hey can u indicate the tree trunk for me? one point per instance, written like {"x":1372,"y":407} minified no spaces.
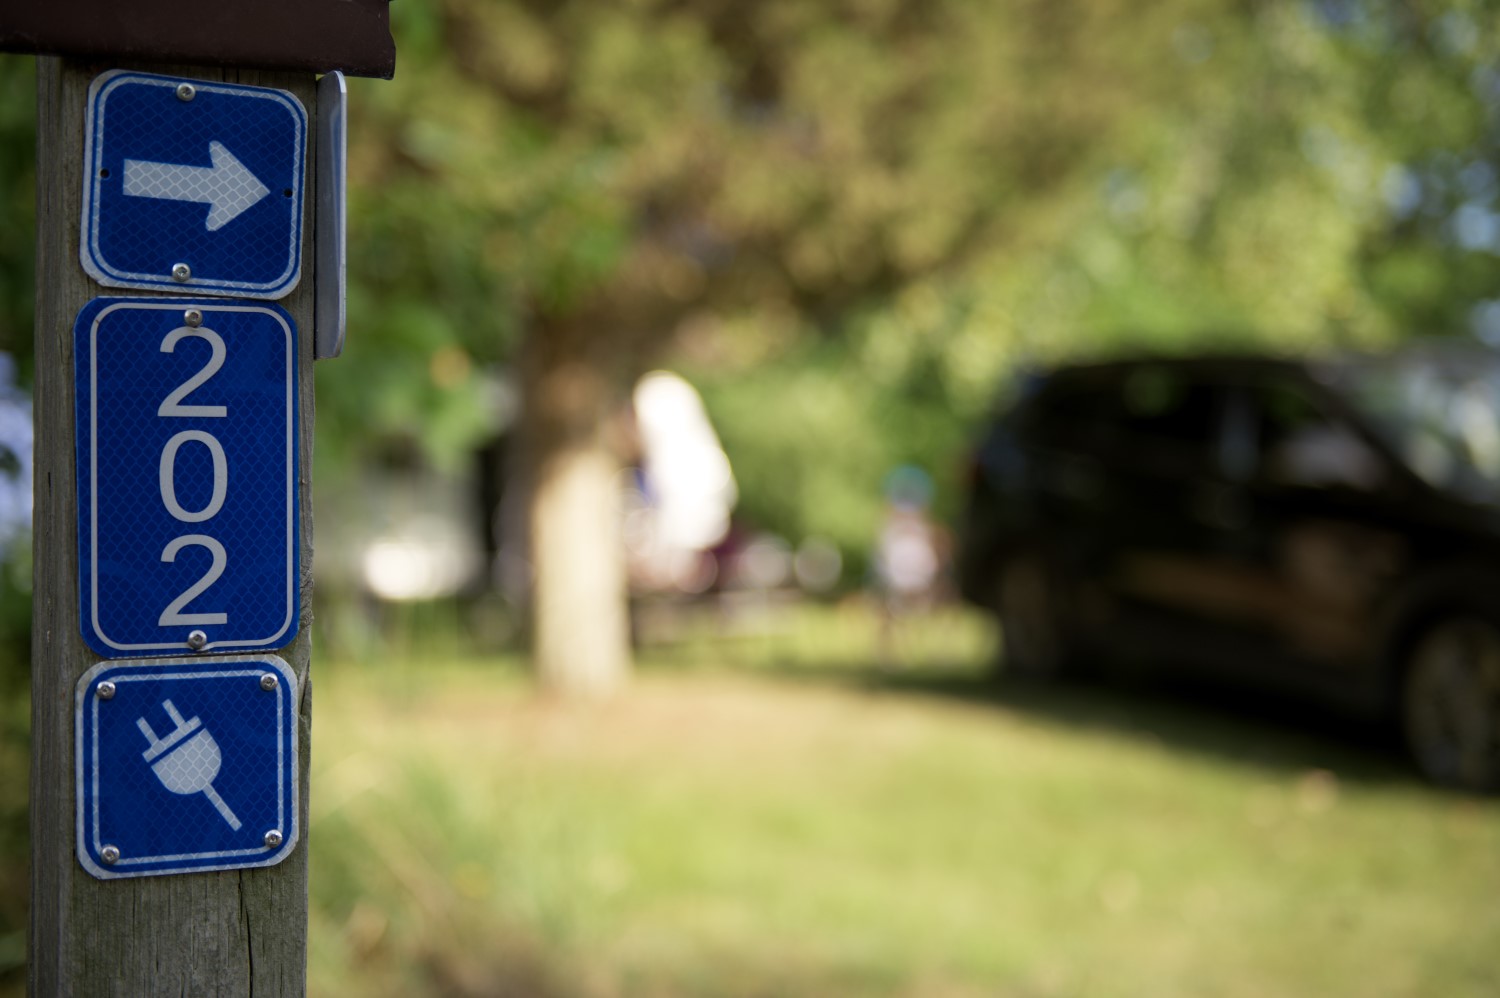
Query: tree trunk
{"x":580,"y":627}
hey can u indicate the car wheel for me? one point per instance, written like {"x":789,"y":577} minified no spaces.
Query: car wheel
{"x":1034,"y":640}
{"x":1450,"y":704}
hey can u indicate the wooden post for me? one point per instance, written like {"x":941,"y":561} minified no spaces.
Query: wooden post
{"x":239,"y":932}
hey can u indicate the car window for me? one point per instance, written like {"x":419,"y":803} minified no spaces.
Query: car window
{"x":1442,"y":415}
{"x":1076,"y":415}
{"x":1300,"y":443}
{"x":1152,"y":418}
{"x":1167,"y":408}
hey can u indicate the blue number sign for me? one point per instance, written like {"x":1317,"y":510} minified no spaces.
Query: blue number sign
{"x":186,"y":764}
{"x":193,"y":186}
{"x":187,"y":452}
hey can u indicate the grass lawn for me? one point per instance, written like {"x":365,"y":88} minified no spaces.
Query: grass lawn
{"x":776,"y":816}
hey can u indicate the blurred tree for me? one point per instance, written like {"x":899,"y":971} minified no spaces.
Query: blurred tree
{"x":634,"y":172}
{"x":934,"y":189}
{"x":1434,"y":261}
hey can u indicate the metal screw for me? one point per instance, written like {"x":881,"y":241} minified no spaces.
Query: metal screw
{"x":193,"y":317}
{"x":273,"y":838}
{"x":197,"y":640}
{"x":110,"y":855}
{"x":181,"y":272}
{"x":106,"y":690}
{"x":186,"y":91}
{"x":268,"y":682}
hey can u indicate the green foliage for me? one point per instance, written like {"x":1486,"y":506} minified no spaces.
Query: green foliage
{"x":15,"y":614}
{"x":1431,"y":93}
{"x":848,"y":222}
{"x":815,"y":433}
{"x":802,"y":439}
{"x":17,"y":208}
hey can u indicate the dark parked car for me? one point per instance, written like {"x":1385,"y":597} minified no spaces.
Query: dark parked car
{"x":1329,"y":529}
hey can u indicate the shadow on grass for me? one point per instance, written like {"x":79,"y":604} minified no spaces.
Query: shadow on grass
{"x":1248,"y":728}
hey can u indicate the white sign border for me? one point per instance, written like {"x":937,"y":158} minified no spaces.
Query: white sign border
{"x":178,"y":305}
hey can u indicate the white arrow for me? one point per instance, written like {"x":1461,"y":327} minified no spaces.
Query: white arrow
{"x":227,"y":186}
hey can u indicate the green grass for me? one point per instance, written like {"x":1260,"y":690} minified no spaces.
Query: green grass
{"x":771,"y":814}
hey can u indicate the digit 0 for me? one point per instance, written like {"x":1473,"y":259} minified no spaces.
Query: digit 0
{"x":168,"y":476}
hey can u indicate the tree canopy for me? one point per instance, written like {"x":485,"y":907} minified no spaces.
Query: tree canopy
{"x":847,"y":220}
{"x":864,"y":213}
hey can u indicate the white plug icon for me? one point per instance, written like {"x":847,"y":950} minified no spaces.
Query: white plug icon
{"x":187,"y":760}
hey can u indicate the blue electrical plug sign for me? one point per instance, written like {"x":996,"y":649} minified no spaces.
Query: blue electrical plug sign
{"x":186,"y":764}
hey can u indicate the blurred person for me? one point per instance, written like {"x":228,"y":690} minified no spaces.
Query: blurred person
{"x":679,"y":501}
{"x":908,"y":557}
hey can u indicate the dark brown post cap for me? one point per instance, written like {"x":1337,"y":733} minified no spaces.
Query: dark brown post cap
{"x":317,"y":35}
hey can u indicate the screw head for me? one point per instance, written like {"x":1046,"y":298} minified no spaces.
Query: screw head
{"x":268,"y":681}
{"x":105,"y":690}
{"x":197,"y":640}
{"x":186,"y":91}
{"x":273,"y":838}
{"x":193,"y":318}
{"x":181,"y":273}
{"x":110,"y":854}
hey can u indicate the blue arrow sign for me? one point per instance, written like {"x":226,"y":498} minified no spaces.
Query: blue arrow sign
{"x":186,"y":441}
{"x":191,"y":185}
{"x":186,"y":764}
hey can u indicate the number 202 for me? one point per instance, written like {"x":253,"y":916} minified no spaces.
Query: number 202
{"x":174,"y":406}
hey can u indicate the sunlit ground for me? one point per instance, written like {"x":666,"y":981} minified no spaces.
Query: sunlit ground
{"x":779,"y":813}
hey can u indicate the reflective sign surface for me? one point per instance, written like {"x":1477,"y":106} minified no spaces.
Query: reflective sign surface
{"x":186,"y":764}
{"x":187,"y":475}
{"x":193,"y":186}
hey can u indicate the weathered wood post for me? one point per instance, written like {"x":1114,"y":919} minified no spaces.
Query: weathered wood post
{"x":149,"y":874}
